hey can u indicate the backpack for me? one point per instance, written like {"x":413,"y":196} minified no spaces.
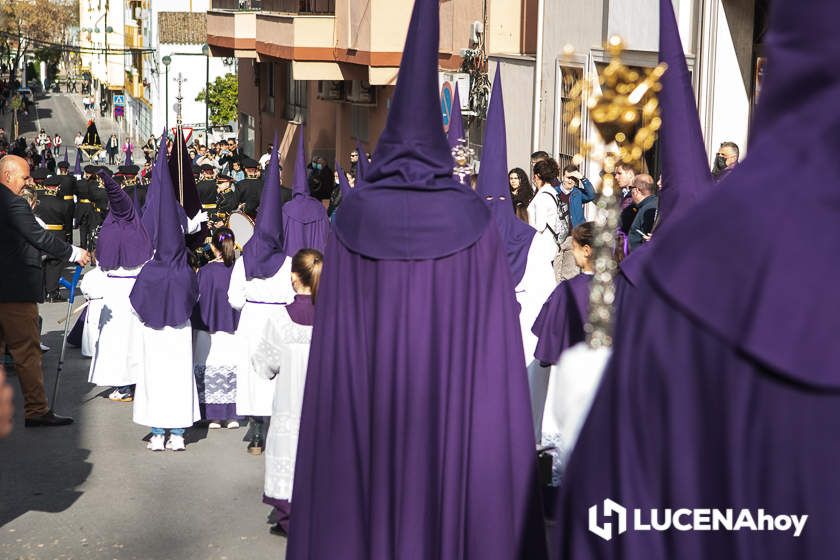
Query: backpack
{"x":558,"y":224}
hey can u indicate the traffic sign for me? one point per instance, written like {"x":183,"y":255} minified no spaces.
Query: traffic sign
{"x":188,"y":130}
{"x":446,"y":95}
{"x":119,"y":100}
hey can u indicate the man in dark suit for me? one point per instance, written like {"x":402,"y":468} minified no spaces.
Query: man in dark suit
{"x":21,"y":242}
{"x":250,"y":189}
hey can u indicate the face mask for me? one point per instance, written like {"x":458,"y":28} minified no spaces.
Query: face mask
{"x":720,"y":163}
{"x":318,"y":166}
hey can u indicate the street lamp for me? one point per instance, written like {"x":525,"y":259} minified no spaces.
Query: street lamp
{"x":205,"y":50}
{"x":167,"y":60}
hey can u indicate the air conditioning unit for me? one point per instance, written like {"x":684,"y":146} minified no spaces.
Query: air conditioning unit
{"x":360,"y":93}
{"x":331,"y":90}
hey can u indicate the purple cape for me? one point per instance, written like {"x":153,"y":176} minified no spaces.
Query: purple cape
{"x":123,"y":241}
{"x":305,"y":221}
{"x":455,"y":132}
{"x":301,"y":310}
{"x":562,"y":317}
{"x":493,"y":186}
{"x":418,"y":390}
{"x":213,"y":312}
{"x":263,"y":255}
{"x":166,"y":288}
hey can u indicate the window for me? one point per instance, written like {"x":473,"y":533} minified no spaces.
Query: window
{"x":247,"y":133}
{"x":295,"y":97}
{"x":566,"y":142}
{"x":359,"y":118}
{"x":270,"y":87}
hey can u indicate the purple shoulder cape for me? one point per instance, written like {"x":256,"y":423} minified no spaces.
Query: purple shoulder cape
{"x":213,"y":312}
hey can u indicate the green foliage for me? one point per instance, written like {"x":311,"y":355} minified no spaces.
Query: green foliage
{"x":224,"y":93}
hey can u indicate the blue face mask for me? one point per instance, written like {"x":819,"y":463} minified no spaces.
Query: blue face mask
{"x":318,"y":166}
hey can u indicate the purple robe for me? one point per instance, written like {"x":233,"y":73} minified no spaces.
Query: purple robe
{"x":305,"y":221}
{"x":213,"y":312}
{"x":560,"y":322}
{"x":416,"y":437}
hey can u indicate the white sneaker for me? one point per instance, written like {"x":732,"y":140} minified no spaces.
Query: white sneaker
{"x":44,"y":348}
{"x":117,"y":396}
{"x":232,"y":425}
{"x":156,"y":443}
{"x":176,"y":443}
{"x":214,"y":425}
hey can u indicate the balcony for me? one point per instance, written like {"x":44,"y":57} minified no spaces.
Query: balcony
{"x":231,"y":31}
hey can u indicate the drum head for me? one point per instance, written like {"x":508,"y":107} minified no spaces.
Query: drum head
{"x":242,"y":227}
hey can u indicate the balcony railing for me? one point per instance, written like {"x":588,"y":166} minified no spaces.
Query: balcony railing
{"x":285,"y":6}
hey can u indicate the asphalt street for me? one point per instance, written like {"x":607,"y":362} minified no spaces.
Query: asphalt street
{"x":93,"y":491}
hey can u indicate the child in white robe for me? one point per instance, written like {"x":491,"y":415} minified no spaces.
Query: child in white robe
{"x":283,"y":354}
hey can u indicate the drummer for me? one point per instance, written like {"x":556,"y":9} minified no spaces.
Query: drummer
{"x":226,"y":200}
{"x":206,"y":187}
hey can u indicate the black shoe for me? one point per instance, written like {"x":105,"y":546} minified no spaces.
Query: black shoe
{"x":55,"y":297}
{"x":48,"y":419}
{"x":257,"y":444}
{"x":276,"y":529}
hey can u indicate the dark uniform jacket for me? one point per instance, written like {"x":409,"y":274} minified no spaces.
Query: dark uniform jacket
{"x":84,"y":206}
{"x":99,"y":198}
{"x":249,"y":192}
{"x":21,"y":242}
{"x":66,"y":192}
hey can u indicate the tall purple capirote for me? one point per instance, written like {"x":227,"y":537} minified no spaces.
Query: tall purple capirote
{"x":149,"y":212}
{"x":166,"y":288}
{"x":263,"y":254}
{"x":77,"y":168}
{"x":343,"y":183}
{"x":410,"y":206}
{"x":685,"y":165}
{"x":305,"y":221}
{"x":362,"y":165}
{"x":123,"y":241}
{"x":65,"y":160}
{"x":493,"y":185}
{"x":456,"y":121}
{"x":191,"y":201}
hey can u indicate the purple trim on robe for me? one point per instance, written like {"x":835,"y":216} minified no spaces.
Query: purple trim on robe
{"x":282,"y":511}
{"x":213,"y":312}
{"x":560,"y":322}
{"x":220,"y":412}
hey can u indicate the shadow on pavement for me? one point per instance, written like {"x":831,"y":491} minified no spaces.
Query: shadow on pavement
{"x":41,"y":468}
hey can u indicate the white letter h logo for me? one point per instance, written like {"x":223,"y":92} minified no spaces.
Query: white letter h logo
{"x":610,"y":508}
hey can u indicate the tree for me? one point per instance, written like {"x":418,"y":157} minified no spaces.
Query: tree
{"x":224,"y":93}
{"x":25,"y":24}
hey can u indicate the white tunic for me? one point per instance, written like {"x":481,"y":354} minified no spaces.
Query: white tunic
{"x":259,"y":299}
{"x":283,"y":352}
{"x":118,"y":351}
{"x":166,"y":396}
{"x":536,"y":285}
{"x":93,"y":286}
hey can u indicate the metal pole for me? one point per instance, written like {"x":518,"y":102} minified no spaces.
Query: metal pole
{"x":207,"y":103}
{"x":537,"y":100}
{"x":166,"y":107}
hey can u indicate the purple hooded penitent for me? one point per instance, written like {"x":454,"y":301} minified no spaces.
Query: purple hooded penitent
{"x":416,"y":383}
{"x":190,"y":199}
{"x":166,"y":289}
{"x":263,"y":254}
{"x":456,"y":121}
{"x":77,"y":167}
{"x":362,"y":165}
{"x":128,"y":160}
{"x":343,"y":183}
{"x":150,"y":211}
{"x":123,"y":241}
{"x":493,"y":185}
{"x":685,"y":168}
{"x":305,"y":221}
{"x":65,"y":160}
{"x":723,"y":387}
